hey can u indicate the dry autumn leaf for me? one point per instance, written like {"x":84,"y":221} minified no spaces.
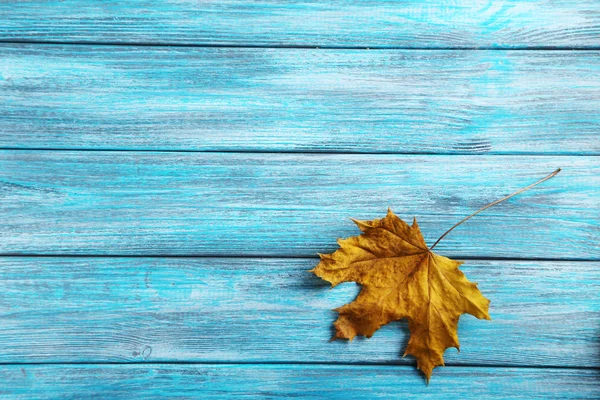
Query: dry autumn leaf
{"x":402,"y":278}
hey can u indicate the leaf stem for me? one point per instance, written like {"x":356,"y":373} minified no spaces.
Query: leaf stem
{"x":494,"y":203}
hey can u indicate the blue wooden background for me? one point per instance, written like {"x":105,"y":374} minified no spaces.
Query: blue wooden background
{"x":169,"y":170}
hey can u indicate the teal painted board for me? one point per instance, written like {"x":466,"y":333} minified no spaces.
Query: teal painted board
{"x":388,"y":23}
{"x":298,"y":100}
{"x":65,"y":310}
{"x":165,"y":203}
{"x":297,"y":381}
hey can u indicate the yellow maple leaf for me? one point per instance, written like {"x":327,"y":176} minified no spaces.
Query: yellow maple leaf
{"x":402,"y":278}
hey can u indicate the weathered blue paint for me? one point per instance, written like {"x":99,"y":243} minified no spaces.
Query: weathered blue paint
{"x":170,"y":203}
{"x":273,"y":310}
{"x":266,"y":322}
{"x":304,"y":381}
{"x":445,"y":102}
{"x":366,"y":23}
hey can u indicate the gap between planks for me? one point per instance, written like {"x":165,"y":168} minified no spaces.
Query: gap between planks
{"x":295,"y":47}
{"x":360,"y":364}
{"x":272,"y":256}
{"x":301,"y":152}
{"x":300,"y":363}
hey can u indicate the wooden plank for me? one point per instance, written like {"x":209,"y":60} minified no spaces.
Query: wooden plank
{"x":273,"y":310}
{"x":303,"y":381}
{"x":207,"y":99}
{"x":396,"y":23}
{"x":66,"y":202}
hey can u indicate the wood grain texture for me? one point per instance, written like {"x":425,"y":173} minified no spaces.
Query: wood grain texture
{"x":209,"y":99}
{"x":396,"y":23}
{"x":282,"y":381}
{"x":67,"y":202}
{"x":273,"y":310}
